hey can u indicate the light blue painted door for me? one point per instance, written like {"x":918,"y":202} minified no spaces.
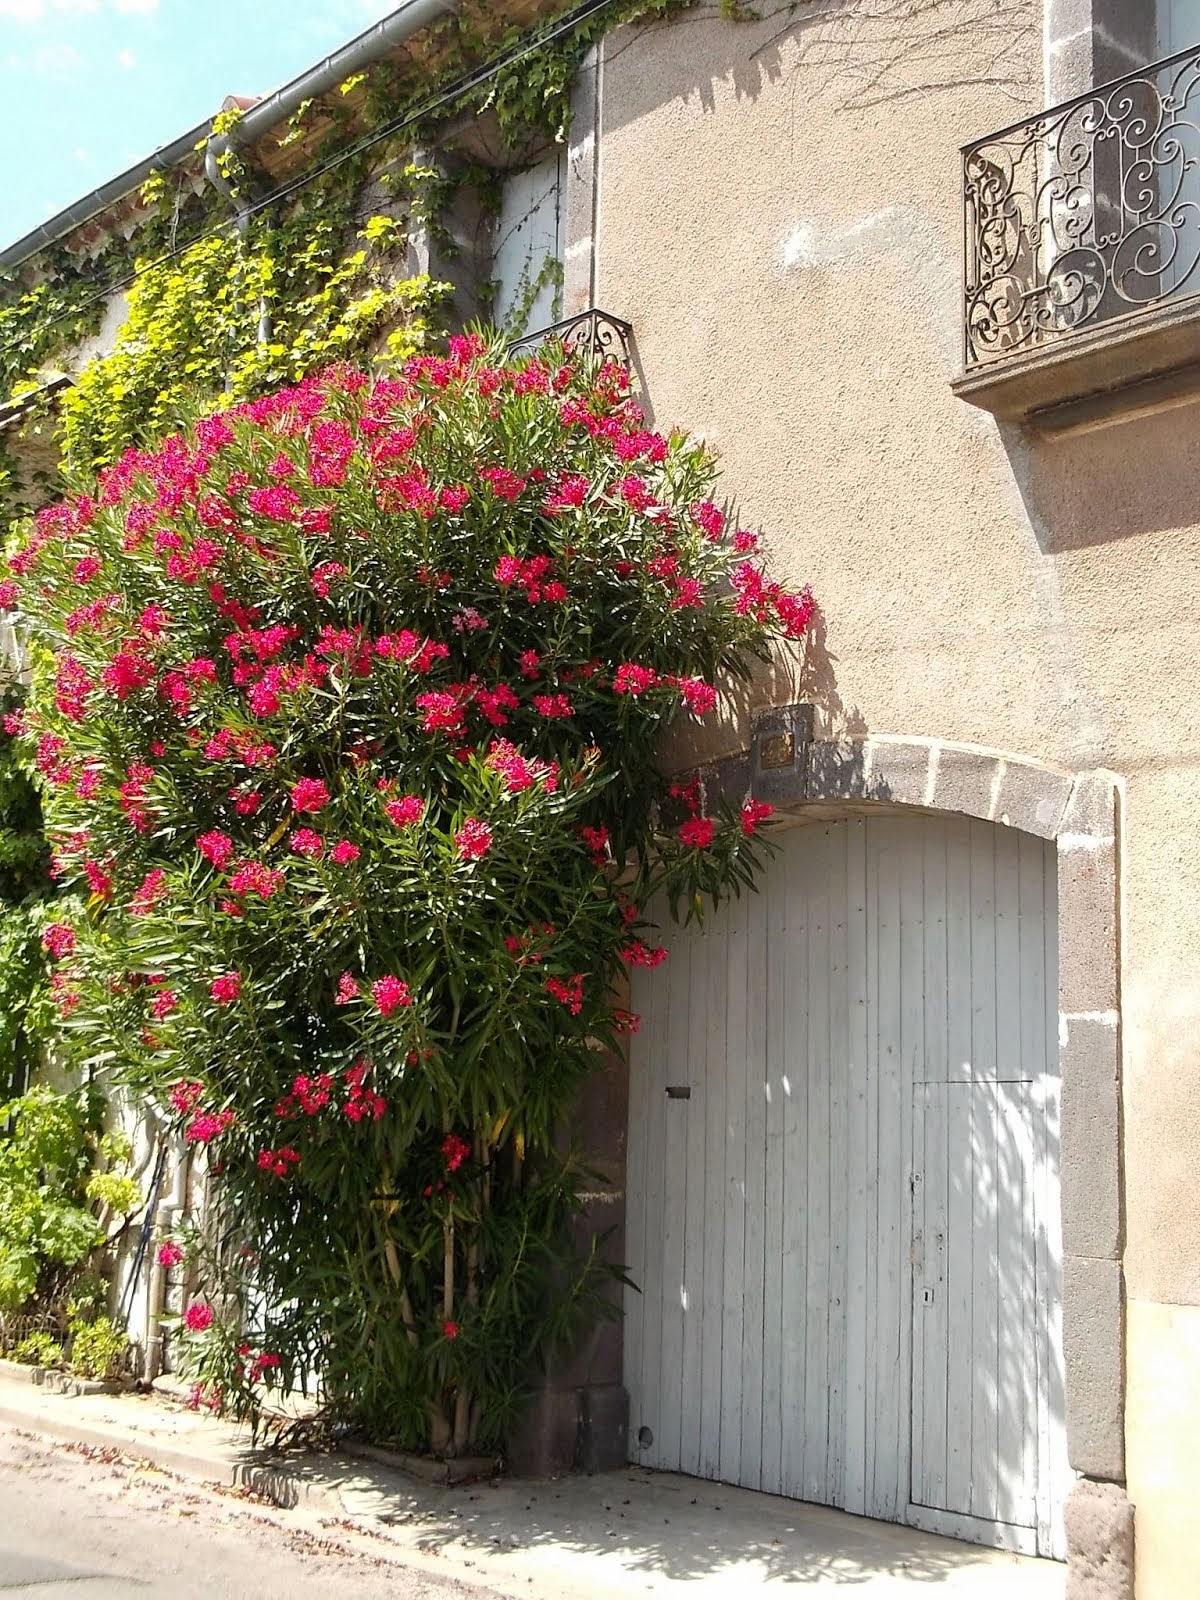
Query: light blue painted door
{"x":842,"y":1184}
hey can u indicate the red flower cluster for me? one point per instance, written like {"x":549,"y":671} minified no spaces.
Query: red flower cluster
{"x":206,"y":1126}
{"x":455,"y":1151}
{"x":408,"y":809}
{"x":520,"y":772}
{"x":473,"y":840}
{"x":569,"y":993}
{"x":59,"y":940}
{"x":637,"y":954}
{"x":226,"y":989}
{"x":390,"y":994}
{"x":279,"y":1162}
{"x":697,"y":833}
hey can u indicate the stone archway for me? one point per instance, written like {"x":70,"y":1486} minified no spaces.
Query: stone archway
{"x":1081,"y":813}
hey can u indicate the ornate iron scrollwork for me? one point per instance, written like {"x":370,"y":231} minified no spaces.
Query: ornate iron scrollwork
{"x":1084,"y":214}
{"x":592,"y":333}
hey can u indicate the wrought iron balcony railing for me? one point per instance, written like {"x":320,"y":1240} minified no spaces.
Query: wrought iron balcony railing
{"x":594,"y":333}
{"x":1085,"y":214}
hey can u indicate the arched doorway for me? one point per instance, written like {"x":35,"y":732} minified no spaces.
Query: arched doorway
{"x":843,"y":1183}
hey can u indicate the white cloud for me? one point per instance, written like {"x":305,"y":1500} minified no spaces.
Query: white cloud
{"x":35,"y":10}
{"x":58,"y":62}
{"x":126,"y":59}
{"x":130,"y":6}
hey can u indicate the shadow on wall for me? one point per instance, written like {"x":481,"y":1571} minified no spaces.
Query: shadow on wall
{"x":856,"y":53}
{"x":1136,"y":475}
{"x":789,"y":678}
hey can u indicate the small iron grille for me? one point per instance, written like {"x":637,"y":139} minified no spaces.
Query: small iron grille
{"x":592,"y":333}
{"x":1085,"y":214}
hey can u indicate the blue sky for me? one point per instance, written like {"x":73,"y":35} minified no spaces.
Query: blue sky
{"x":88,"y":87}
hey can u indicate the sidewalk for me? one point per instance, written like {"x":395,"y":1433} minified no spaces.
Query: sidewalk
{"x":616,"y":1536}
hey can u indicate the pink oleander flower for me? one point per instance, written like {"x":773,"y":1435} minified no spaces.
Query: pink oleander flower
{"x":347,"y":990}
{"x":59,"y":940}
{"x":305,"y":842}
{"x":455,"y":1151}
{"x":709,"y":519}
{"x":208,"y":1125}
{"x":170,"y":1254}
{"x":450,"y":1329}
{"x":473,"y":840}
{"x":700,"y":697}
{"x":252,"y":877}
{"x":633,"y":679}
{"x":754,"y":812}
{"x":637,"y":954}
{"x":697,"y":833}
{"x":280,"y":1162}
{"x":408,"y":809}
{"x":344,"y":852}
{"x":225,"y":989}
{"x":216,"y":847}
{"x":310,"y":794}
{"x":185,"y":1097}
{"x":569,"y":993}
{"x":198,"y":1317}
{"x":390,"y":994}
{"x":552,"y":706}
{"x":163,"y":1004}
{"x":151,"y":890}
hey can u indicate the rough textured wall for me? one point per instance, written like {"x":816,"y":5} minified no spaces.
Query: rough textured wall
{"x":779,"y":217}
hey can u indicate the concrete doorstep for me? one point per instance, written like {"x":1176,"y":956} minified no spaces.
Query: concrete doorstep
{"x":612,"y":1536}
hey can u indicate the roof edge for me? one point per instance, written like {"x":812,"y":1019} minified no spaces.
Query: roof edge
{"x":91,"y":205}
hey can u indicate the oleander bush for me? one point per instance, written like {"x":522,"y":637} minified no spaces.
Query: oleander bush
{"x":347,"y":705}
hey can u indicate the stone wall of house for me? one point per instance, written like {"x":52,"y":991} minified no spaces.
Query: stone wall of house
{"x":777,"y":211}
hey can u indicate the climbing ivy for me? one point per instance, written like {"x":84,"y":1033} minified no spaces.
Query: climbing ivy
{"x":329,"y":286}
{"x":24,"y":885}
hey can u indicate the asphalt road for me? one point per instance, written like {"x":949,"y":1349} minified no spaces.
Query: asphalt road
{"x":81,"y":1523}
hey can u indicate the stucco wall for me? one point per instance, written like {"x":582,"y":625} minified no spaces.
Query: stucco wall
{"x":779,"y":218}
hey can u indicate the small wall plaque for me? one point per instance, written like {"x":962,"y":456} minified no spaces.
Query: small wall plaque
{"x":679,"y":1091}
{"x":777,"y":750}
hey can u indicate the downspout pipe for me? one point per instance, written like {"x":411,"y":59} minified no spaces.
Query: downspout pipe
{"x":360,"y":52}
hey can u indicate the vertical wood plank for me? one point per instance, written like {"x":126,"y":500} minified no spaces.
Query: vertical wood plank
{"x":815,"y":1480}
{"x":983,"y":950}
{"x":958,"y":949}
{"x":959,"y":1276}
{"x":1009,"y":1063}
{"x":644,"y":1048}
{"x":757,"y":1088}
{"x":911,"y":1070}
{"x":740,"y":992}
{"x":858,"y":1196}
{"x":885,"y":1378}
{"x":801,"y":865}
{"x":984,"y":1301}
{"x":839,"y":1154}
{"x":667,"y":1437}
{"x":930,"y":1399}
{"x":776,"y":1112}
{"x":1017,"y":1295}
{"x":692,"y":1114}
{"x":718,"y":943}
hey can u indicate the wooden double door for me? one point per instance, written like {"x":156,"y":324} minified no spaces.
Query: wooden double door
{"x":843,"y":1211}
